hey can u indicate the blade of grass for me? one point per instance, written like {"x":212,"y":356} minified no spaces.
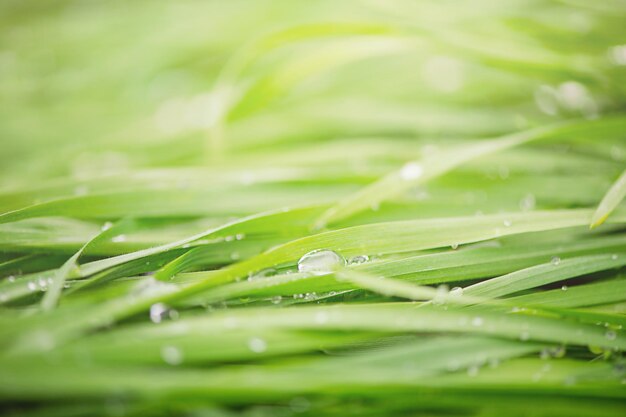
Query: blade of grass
{"x":613,"y":197}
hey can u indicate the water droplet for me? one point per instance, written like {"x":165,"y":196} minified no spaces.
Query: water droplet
{"x":574,"y":96}
{"x":359,"y":259}
{"x":454,"y":246}
{"x":264,"y":273}
{"x":507,"y":223}
{"x":610,"y":335}
{"x":42,"y":339}
{"x":119,"y":238}
{"x":441,"y":293}
{"x":555,"y":260}
{"x":32,"y":286}
{"x":43,"y":284}
{"x":614,"y":257}
{"x":527,"y":203}
{"x":172,"y":355}
{"x":240,"y":236}
{"x":257,"y":345}
{"x":564,"y":287}
{"x":570,"y":380}
{"x":320,"y":262}
{"x":477,"y":321}
{"x":617,"y":54}
{"x":277,"y":299}
{"x":552,"y":352}
{"x":160,"y":311}
{"x":229,"y":238}
{"x":596,"y":350}
{"x":456,"y":292}
{"x":310,"y":296}
{"x":299,"y":404}
{"x":106,"y":226}
{"x":11,"y":278}
{"x":235,"y":256}
{"x":472,"y":370}
{"x":411,"y":171}
{"x":618,"y":154}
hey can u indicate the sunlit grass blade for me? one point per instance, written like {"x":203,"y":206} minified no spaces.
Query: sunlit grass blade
{"x":432,"y":166}
{"x":613,"y":197}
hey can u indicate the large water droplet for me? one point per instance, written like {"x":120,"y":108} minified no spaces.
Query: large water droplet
{"x":320,"y":262}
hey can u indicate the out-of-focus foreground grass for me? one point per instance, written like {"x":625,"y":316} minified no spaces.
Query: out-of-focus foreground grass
{"x":274,"y":208}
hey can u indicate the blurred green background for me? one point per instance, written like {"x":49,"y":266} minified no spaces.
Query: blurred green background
{"x":99,"y":87}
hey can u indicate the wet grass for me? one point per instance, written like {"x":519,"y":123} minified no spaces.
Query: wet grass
{"x":330,"y":209}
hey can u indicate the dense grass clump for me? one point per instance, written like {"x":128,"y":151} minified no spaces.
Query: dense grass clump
{"x":270,"y":208}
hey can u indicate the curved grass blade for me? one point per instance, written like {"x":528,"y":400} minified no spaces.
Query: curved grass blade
{"x":613,"y":197}
{"x":419,"y":172}
{"x":555,"y":271}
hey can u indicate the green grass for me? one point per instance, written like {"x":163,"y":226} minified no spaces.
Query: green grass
{"x":164,"y":166}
